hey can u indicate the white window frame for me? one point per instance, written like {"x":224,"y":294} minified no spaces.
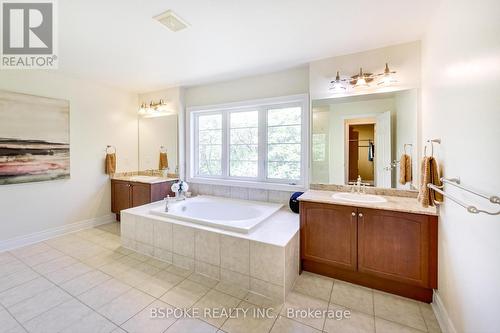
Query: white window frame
{"x":261,"y":105}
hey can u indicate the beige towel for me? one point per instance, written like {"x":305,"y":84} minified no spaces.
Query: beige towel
{"x":110,"y":164}
{"x":430,"y":174}
{"x":405,"y":174}
{"x":163,"y":161}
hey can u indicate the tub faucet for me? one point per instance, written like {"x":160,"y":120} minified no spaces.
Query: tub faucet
{"x":168,"y":200}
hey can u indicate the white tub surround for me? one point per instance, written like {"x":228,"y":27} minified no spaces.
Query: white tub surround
{"x":228,"y":214}
{"x":265,"y":260}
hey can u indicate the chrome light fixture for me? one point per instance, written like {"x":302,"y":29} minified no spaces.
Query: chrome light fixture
{"x":338,"y":85}
{"x":387,"y":77}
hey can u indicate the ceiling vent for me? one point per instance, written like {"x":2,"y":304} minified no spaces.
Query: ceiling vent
{"x":171,"y":20}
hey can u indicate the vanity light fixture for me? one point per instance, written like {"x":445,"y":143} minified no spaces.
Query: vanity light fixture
{"x":338,"y":85}
{"x":387,"y":77}
{"x":361,"y":80}
{"x":153,"y":108}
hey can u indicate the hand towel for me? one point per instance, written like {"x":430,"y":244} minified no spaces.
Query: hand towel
{"x":110,"y":164}
{"x":430,"y":174}
{"x":405,"y":173}
{"x":163,"y":161}
{"x":436,"y":180}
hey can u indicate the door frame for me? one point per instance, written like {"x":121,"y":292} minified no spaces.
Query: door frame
{"x":361,"y":119}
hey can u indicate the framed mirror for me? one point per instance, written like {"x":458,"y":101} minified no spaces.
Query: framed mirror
{"x":158,"y":143}
{"x":366,"y":136}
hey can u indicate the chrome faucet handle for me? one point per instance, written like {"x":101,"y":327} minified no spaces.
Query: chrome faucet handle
{"x":168,"y":200}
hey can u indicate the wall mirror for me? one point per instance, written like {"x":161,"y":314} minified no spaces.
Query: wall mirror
{"x":158,"y":135}
{"x":365,"y":136}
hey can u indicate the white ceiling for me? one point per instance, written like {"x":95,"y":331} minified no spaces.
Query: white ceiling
{"x":118,"y":43}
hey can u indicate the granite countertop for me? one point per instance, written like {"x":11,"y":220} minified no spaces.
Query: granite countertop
{"x":145,"y":179}
{"x":394,"y":203}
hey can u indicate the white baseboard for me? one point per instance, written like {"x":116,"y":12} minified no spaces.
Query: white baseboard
{"x":36,"y":237}
{"x":441,"y":314}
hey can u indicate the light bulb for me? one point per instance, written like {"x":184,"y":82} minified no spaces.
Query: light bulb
{"x":361,"y":80}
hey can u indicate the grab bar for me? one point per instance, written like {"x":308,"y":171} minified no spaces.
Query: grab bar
{"x":456,"y":182}
{"x":471,"y":209}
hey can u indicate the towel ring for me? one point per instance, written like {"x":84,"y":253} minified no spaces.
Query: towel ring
{"x":109,"y":149}
{"x":163,"y":149}
{"x":432,"y":146}
{"x":406,"y":145}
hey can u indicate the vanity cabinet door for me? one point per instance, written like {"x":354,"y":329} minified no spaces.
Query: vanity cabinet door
{"x":397,"y":246}
{"x":141,"y":194}
{"x":120,"y":196}
{"x":328,"y":234}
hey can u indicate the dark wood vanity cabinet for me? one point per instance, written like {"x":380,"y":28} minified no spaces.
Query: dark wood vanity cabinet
{"x":127,"y":194}
{"x":329,"y":235}
{"x":391,"y":251}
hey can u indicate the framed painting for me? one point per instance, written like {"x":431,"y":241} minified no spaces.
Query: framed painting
{"x":34,"y":138}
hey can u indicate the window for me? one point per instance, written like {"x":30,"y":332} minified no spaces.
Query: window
{"x":244,"y":144}
{"x":210,"y":145}
{"x":263,"y":142}
{"x":284,"y":143}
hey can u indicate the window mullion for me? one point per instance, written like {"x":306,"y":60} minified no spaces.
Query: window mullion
{"x":262,"y":144}
{"x":225,"y":145}
{"x":196,"y":146}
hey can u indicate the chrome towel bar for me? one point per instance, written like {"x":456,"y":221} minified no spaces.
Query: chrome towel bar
{"x":470,"y":208}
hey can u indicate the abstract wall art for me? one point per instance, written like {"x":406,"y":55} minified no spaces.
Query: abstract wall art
{"x":34,"y":138}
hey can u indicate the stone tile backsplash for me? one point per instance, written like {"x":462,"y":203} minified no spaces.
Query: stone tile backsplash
{"x":237,"y":192}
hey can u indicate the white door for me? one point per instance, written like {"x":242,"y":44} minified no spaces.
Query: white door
{"x":383,"y":170}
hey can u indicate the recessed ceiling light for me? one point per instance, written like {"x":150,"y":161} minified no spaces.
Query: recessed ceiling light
{"x":171,"y":20}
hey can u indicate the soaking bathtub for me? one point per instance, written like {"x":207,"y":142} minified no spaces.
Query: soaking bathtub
{"x":227,"y":214}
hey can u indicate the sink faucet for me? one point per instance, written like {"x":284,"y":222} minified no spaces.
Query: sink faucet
{"x":358,"y":185}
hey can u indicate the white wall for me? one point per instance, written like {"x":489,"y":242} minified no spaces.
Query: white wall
{"x":461,"y":105}
{"x":99,"y":116}
{"x":289,"y":82}
{"x":404,"y":58}
{"x":406,"y":104}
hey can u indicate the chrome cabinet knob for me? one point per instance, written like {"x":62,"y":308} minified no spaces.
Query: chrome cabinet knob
{"x":353,"y":214}
{"x":360,"y":214}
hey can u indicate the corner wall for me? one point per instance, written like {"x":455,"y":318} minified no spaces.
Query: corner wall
{"x":99,"y":115}
{"x":461,"y":105}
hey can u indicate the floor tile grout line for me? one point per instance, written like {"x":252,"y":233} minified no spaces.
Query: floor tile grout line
{"x":374,"y":318}
{"x":423,"y":317}
{"x":184,"y":278}
{"x":155,"y":300}
{"x":17,"y":285}
{"x":60,"y":288}
{"x":34,"y":295}
{"x":10,"y":313}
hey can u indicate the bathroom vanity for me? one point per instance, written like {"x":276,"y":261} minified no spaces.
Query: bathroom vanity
{"x":390,"y":246}
{"x":128,"y":192}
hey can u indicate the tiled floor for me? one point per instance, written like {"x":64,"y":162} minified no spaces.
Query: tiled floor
{"x":86,"y":282}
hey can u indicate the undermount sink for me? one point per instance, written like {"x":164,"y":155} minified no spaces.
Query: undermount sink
{"x":143,"y":178}
{"x":359,"y":197}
